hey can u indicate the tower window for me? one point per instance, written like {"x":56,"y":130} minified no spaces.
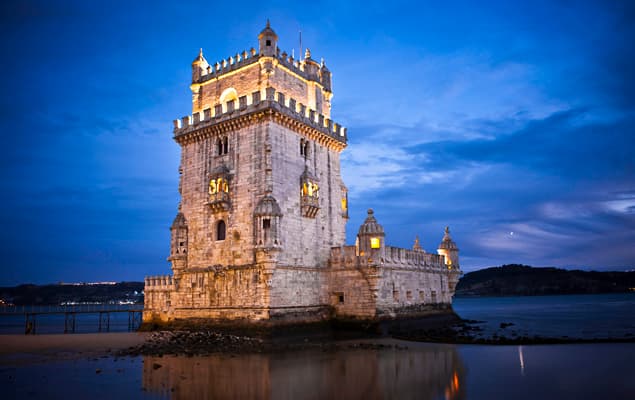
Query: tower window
{"x":374,"y":243}
{"x":304,"y":148}
{"x":220,"y":230}
{"x":268,"y":42}
{"x":266,"y":223}
{"x":222,"y":145}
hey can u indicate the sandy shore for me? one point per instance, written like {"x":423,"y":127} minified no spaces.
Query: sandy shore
{"x":18,"y":349}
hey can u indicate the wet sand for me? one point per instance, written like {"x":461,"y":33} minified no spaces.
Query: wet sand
{"x":20,"y":349}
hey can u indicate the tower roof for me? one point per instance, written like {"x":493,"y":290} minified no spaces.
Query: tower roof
{"x":370,"y":225}
{"x":268,"y":206}
{"x":179,"y":221}
{"x":447,"y":243}
{"x":200,"y":58}
{"x":267,"y":32}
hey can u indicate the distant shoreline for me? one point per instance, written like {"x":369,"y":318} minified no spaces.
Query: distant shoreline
{"x":474,"y":296}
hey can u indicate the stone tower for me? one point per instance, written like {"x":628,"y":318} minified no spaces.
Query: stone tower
{"x":262,"y":198}
{"x":259,"y":235}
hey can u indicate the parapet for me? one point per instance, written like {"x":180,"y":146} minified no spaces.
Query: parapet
{"x":259,"y":101}
{"x":159,"y":283}
{"x":307,"y":69}
{"x":395,"y":257}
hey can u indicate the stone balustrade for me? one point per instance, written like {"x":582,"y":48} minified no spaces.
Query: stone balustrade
{"x":346,"y":256}
{"x":159,"y":282}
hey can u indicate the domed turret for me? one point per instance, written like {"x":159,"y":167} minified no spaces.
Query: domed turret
{"x":268,"y":206}
{"x":267,"y":216}
{"x":448,"y":248}
{"x":325,"y":76}
{"x":268,"y":41}
{"x":179,"y":221}
{"x":370,"y":237}
{"x":178,"y":243}
{"x":199,"y":66}
{"x":370,"y":225}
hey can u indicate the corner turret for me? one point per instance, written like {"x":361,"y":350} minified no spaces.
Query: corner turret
{"x":268,"y":41}
{"x":448,"y":248}
{"x":200,"y":67}
{"x":370,"y":238}
{"x":325,"y":76}
{"x":178,"y":244}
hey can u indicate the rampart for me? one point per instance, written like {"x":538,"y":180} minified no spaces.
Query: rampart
{"x":245,"y":58}
{"x":247,"y":105}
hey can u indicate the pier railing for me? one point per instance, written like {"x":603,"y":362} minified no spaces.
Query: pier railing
{"x":70,"y":312}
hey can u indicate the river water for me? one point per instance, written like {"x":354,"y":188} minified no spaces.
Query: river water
{"x":422,"y":371}
{"x":409,"y":370}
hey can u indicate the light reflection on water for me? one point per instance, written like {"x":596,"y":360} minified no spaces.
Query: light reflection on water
{"x":423,"y":371}
{"x":428,"y":372}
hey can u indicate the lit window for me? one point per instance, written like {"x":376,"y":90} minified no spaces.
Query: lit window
{"x":374,"y":243}
{"x":218,"y":185}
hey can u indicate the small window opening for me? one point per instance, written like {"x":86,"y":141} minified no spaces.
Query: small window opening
{"x":340,"y":298}
{"x":408,"y":295}
{"x":222,"y":146}
{"x":220,"y":230}
{"x":266,"y":223}
{"x":268,"y":43}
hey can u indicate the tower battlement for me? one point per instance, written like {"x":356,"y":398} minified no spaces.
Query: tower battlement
{"x":268,"y":102}
{"x":303,"y":67}
{"x":305,"y":80}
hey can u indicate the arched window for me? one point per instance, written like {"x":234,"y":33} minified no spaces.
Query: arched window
{"x":228,"y":94}
{"x":220,"y":230}
{"x":222,"y":145}
{"x":304,"y":148}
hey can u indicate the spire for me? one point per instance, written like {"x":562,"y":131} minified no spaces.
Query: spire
{"x":417,"y":245}
{"x":199,"y":58}
{"x":307,"y":54}
{"x":268,"y":41}
{"x":447,"y":242}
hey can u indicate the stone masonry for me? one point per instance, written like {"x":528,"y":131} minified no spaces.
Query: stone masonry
{"x":259,"y":236}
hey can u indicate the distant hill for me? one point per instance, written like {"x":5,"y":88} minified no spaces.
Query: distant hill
{"x":130,"y":292}
{"x":523,"y":280}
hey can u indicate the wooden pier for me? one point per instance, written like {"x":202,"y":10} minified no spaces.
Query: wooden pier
{"x":70,"y":313}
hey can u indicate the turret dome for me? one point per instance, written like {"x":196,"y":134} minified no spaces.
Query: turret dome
{"x":370,"y":225}
{"x":179,"y":221}
{"x":268,"y":32}
{"x":268,"y":206}
{"x":447,"y":243}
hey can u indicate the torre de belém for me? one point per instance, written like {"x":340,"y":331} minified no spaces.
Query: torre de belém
{"x":259,"y":236}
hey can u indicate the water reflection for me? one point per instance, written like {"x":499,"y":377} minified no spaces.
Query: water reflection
{"x":434,"y":372}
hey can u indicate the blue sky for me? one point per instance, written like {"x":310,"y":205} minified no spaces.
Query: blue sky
{"x":513,"y":124}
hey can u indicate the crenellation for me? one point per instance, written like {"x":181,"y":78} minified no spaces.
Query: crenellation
{"x":261,"y":227}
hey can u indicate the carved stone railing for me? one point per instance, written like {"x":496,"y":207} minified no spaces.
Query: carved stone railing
{"x":310,"y":206}
{"x":219,"y":201}
{"x":346,"y":256}
{"x":157,"y":283}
